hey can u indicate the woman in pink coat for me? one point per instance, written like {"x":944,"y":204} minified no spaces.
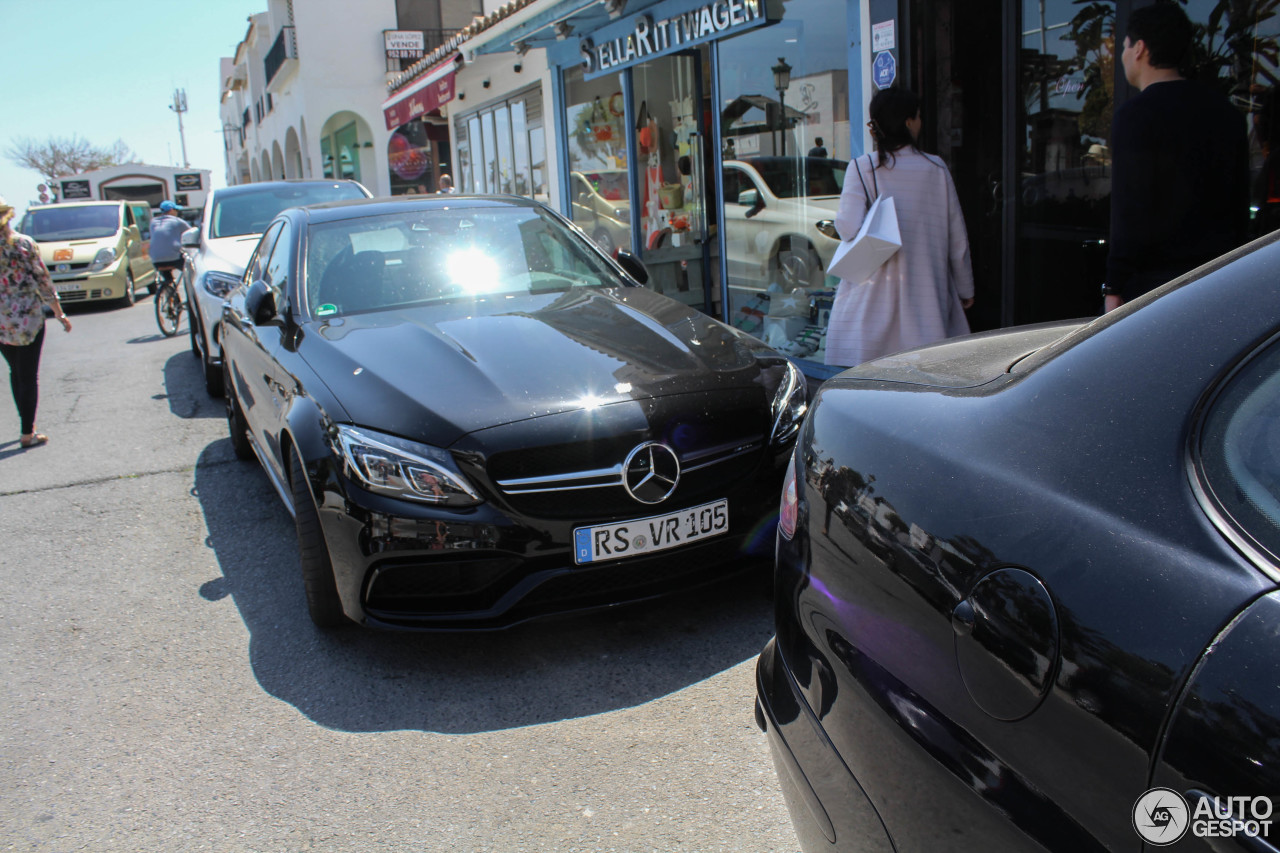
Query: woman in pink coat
{"x":919,"y":295}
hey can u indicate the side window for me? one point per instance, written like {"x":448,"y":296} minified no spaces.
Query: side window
{"x":256,"y":267}
{"x":1240,"y":449}
{"x":142,"y":218}
{"x":277,"y":269}
{"x":732,"y":185}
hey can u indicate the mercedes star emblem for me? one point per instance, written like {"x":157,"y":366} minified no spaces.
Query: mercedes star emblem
{"x":651,"y":472}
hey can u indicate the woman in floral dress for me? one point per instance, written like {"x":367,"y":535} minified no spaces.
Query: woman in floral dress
{"x":24,"y":291}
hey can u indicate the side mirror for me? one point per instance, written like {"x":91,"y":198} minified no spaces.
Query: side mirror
{"x":260,"y":303}
{"x":191,"y":238}
{"x":749,"y":198}
{"x":632,"y":265}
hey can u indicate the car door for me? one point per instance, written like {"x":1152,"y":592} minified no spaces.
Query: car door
{"x":249,"y":350}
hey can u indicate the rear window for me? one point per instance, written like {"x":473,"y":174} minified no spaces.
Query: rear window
{"x":1240,"y":450}
{"x":53,"y":223}
{"x":250,"y":212}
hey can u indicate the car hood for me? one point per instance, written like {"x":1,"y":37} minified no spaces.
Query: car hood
{"x":436,"y":373}
{"x":964,"y":362}
{"x":228,"y":254}
{"x":82,"y":251}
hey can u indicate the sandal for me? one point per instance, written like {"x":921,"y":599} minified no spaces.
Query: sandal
{"x":36,"y":440}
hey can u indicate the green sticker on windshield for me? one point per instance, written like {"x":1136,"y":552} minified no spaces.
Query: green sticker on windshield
{"x":326,"y":309}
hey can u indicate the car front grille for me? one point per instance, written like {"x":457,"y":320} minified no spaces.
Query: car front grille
{"x":583,"y":480}
{"x":79,"y":295}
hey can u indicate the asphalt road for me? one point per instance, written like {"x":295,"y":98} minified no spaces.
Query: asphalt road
{"x":164,"y":690}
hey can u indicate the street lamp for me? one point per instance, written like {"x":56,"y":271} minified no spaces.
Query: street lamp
{"x":781,"y":80}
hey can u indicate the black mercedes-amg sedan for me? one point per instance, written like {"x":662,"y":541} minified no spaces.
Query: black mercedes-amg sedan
{"x":478,"y":418}
{"x":1026,"y":586}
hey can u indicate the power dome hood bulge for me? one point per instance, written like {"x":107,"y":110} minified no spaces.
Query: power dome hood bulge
{"x":435,"y":374}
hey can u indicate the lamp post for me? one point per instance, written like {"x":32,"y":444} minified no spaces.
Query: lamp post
{"x":781,"y":80}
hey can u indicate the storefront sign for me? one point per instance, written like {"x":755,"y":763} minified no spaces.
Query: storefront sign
{"x":644,"y":38}
{"x":433,"y":89}
{"x":75,"y":189}
{"x":404,"y":44}
{"x":884,"y":70}
{"x":188,"y":183}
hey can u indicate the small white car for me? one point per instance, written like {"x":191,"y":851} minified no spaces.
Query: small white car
{"x":219,"y":247}
{"x":772,"y":207}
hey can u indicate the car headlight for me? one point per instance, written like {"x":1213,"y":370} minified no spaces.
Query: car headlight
{"x":397,"y":468}
{"x":105,"y":258}
{"x":220,"y":283}
{"x":790,"y":402}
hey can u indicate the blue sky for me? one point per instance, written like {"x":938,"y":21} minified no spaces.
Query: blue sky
{"x":107,"y":69}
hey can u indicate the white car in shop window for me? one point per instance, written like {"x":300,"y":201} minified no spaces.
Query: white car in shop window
{"x":772,"y":207}
{"x":219,"y":247}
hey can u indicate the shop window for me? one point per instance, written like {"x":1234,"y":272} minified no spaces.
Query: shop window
{"x":784,"y":88}
{"x":599,"y":195}
{"x":326,"y":156}
{"x":501,"y":149}
{"x":347,"y":144}
{"x":1237,"y":49}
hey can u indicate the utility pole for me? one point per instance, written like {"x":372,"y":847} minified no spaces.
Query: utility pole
{"x":179,"y":106}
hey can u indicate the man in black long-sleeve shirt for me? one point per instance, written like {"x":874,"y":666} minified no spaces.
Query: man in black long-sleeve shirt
{"x":1180,"y":164}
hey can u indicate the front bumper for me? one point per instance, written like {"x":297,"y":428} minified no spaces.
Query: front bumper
{"x":77,"y":284}
{"x":829,"y":810}
{"x":401,"y":565}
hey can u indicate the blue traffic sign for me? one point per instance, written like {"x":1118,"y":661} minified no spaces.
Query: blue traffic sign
{"x":884,"y":69}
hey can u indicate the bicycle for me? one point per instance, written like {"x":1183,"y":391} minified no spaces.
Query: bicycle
{"x":170,"y":304}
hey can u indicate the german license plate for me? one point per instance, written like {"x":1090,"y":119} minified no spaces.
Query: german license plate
{"x":647,"y":535}
{"x":70,"y":285}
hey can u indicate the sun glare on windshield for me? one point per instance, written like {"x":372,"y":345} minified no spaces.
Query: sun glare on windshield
{"x":474,"y":271}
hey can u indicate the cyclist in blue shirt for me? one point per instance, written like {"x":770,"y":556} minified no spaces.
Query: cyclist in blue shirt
{"x":166,"y":240}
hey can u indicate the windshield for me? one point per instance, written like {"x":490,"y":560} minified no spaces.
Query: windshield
{"x":251,"y":212}
{"x":90,"y":222}
{"x":429,"y":256}
{"x":817,"y":176}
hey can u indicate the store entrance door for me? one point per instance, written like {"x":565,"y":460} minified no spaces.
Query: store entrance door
{"x":1030,"y":158}
{"x":674,"y":198}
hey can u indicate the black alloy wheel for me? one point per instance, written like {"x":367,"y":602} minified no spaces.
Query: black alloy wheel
{"x":212,"y":378}
{"x":323,"y":604}
{"x":237,"y":426}
{"x":191,"y":330}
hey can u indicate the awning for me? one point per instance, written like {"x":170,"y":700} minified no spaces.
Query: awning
{"x":425,"y":94}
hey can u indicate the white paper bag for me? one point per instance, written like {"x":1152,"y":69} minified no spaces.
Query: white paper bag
{"x":878,"y":240}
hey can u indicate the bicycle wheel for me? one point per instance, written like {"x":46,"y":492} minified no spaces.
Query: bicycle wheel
{"x":168,"y":309}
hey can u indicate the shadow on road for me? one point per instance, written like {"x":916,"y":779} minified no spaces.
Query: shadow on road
{"x":360,"y":680}
{"x":184,"y":388}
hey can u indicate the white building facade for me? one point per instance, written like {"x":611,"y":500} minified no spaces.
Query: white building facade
{"x":302,"y":96}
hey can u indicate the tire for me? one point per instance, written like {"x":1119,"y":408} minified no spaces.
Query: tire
{"x":168,"y":310}
{"x":323,"y":603}
{"x":212,"y":378}
{"x":605,"y":241}
{"x":237,"y":426}
{"x":191,"y":329}
{"x":129,"y":296}
{"x":796,"y":264}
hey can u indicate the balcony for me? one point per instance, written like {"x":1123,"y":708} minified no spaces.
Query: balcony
{"x":281,"y":62}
